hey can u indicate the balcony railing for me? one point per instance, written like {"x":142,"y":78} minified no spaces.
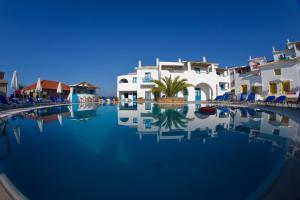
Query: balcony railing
{"x":147,"y":79}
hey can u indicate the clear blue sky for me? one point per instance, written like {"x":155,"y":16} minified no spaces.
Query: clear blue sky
{"x":94,"y":41}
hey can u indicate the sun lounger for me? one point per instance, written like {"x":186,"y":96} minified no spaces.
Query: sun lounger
{"x":243,"y":97}
{"x":225,"y":97}
{"x":280,"y":100}
{"x":219,"y":98}
{"x":4,"y":101}
{"x":269,"y":99}
{"x":251,"y":97}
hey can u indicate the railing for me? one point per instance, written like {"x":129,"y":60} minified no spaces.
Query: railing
{"x":147,"y":80}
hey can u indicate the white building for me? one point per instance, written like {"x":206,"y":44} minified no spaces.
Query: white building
{"x":208,"y":80}
{"x":246,"y":79}
{"x":278,"y":77}
{"x":282,"y":76}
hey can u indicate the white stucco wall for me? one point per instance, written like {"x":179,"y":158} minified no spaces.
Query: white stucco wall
{"x":209,"y":82}
{"x":290,"y":70}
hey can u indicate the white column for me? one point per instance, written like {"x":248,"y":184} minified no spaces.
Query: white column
{"x":189,"y":66}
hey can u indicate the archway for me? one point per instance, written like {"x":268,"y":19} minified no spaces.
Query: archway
{"x":123,"y":80}
{"x":203,"y":92}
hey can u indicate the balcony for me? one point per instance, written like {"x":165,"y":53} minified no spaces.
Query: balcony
{"x":147,"y":79}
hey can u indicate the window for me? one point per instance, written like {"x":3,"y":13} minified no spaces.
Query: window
{"x":286,"y":87}
{"x":255,"y":89}
{"x":134,"y":79}
{"x":222,"y":86}
{"x":277,"y":72}
{"x":123,"y":80}
{"x":148,"y":123}
{"x":273,"y":88}
{"x":197,"y":70}
{"x":147,"y":77}
{"x":134,"y":120}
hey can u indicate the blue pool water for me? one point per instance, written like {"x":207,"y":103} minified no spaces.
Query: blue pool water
{"x":144,"y":152}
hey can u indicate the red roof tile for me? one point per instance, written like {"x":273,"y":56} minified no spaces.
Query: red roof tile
{"x":48,"y":85}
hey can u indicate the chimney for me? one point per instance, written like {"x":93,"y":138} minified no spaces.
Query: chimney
{"x":273,"y":48}
{"x":250,"y":58}
{"x":157,"y":62}
{"x":179,"y":60}
{"x":204,"y":59}
{"x":140,"y":63}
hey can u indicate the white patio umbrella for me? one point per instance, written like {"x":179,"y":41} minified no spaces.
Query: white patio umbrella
{"x":40,"y":124}
{"x":59,"y":88}
{"x":38,"y":87}
{"x":60,"y":119}
{"x":14,"y":82}
{"x":17,"y":133}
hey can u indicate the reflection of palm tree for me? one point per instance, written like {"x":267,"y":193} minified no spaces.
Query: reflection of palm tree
{"x":171,"y":118}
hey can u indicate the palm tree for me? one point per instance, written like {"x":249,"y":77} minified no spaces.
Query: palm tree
{"x":169,"y":87}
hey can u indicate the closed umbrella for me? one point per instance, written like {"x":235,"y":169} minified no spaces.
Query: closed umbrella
{"x":38,"y":88}
{"x":40,"y":124}
{"x":14,"y":82}
{"x":59,"y":88}
{"x":60,"y":119}
{"x":17,"y":133}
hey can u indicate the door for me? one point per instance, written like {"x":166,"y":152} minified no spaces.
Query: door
{"x":147,"y":96}
{"x":197,"y":94}
{"x":134,"y":98}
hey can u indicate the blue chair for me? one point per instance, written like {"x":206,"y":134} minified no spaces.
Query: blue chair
{"x":269,"y":99}
{"x":53,"y":99}
{"x":251,"y":97}
{"x":280,"y":99}
{"x":30,"y":100}
{"x":226,"y":96}
{"x":243,"y":97}
{"x":219,"y":98}
{"x":3,"y":100}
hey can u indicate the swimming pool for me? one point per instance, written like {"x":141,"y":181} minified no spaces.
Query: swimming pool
{"x":144,"y":151}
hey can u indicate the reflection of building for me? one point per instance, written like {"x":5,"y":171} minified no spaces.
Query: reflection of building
{"x":83,"y":93}
{"x":83,"y":111}
{"x":208,"y":80}
{"x":186,"y":124}
{"x":49,"y":89}
{"x":48,"y":115}
{"x":3,"y":85}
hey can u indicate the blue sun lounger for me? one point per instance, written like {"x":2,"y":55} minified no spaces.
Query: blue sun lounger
{"x":251,"y":97}
{"x":226,"y":96}
{"x":243,"y":97}
{"x":219,"y":98}
{"x":280,"y":99}
{"x":269,"y":99}
{"x":3,"y":100}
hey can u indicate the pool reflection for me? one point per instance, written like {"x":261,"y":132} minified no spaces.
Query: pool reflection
{"x":184,"y":122}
